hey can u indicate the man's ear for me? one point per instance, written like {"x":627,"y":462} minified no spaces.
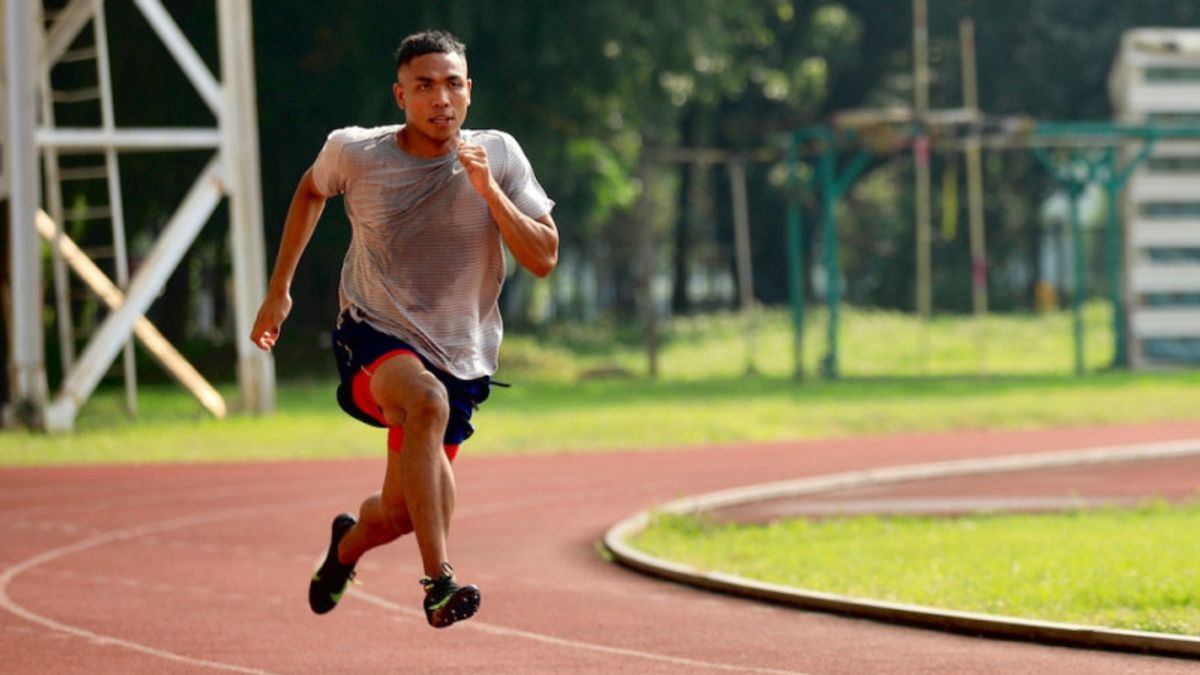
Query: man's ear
{"x":398,"y":94}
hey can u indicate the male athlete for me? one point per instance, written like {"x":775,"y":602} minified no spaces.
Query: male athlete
{"x":431,"y":206}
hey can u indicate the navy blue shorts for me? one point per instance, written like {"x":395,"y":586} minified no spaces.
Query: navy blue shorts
{"x":357,"y":347}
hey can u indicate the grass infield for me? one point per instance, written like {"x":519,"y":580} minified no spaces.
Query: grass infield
{"x":1118,"y":568}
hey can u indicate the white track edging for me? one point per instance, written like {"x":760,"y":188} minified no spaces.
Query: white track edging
{"x":963,"y":622}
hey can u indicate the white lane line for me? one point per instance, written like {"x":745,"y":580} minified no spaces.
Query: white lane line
{"x":11,"y":572}
{"x":492,"y":629}
{"x":7,"y":603}
{"x":146,"y":497}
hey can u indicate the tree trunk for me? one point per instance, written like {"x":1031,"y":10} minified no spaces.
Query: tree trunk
{"x":680,"y":301}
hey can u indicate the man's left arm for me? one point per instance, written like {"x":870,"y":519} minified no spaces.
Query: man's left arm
{"x":533,"y":241}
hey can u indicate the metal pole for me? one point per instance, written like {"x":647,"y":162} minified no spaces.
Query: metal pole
{"x":1115,"y":183}
{"x":979,"y":299}
{"x":27,"y":368}
{"x":1114,"y":260}
{"x":833,"y":291}
{"x":924,"y":283}
{"x":70,"y":139}
{"x":745,"y":269}
{"x":54,"y":202}
{"x":120,"y":252}
{"x":239,"y":148}
{"x":1075,"y":190}
{"x":185,"y":55}
{"x":795,"y":244}
{"x":921,"y":59}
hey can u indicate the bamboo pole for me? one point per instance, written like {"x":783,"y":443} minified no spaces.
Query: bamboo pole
{"x":924,"y":275}
{"x":979,"y":288}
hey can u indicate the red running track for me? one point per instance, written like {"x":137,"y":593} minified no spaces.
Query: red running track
{"x":204,"y":568}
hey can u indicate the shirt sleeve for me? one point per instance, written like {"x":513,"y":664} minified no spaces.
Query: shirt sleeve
{"x":520,"y":184}
{"x":327,"y":173}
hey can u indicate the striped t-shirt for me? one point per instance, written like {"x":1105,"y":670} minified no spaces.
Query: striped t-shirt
{"x":426,"y":262}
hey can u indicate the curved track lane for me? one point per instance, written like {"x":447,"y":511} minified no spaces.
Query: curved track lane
{"x":203,"y":569}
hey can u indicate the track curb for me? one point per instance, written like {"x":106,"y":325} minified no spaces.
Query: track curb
{"x":1082,"y":636}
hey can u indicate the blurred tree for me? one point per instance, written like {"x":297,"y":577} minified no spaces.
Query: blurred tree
{"x":587,"y":86}
{"x":1049,"y":59}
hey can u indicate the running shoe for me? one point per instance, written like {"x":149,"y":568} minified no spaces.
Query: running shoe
{"x":329,"y":581}
{"x":446,"y":602}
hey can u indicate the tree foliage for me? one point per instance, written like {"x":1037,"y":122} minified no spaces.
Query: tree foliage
{"x":589,"y":86}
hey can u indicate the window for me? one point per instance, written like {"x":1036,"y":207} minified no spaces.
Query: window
{"x":1173,"y":255}
{"x":1181,"y":350}
{"x":1170,"y":209}
{"x":1173,"y":165}
{"x":1167,"y":74}
{"x":1169,"y":300}
{"x":1183,"y":119}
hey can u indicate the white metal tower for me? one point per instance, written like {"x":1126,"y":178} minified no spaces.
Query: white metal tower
{"x":33,"y":45}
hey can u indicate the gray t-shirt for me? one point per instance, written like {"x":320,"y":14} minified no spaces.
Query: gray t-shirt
{"x":426,"y":259}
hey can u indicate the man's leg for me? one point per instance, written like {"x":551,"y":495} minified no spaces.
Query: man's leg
{"x":413,"y":398}
{"x":419,"y":483}
{"x":380,"y":524}
{"x":376,"y":524}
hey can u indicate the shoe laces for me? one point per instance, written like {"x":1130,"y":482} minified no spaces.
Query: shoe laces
{"x":446,"y":577}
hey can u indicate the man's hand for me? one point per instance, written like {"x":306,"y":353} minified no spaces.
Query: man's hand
{"x":533,"y":241}
{"x":274,"y":310}
{"x":475,"y":160}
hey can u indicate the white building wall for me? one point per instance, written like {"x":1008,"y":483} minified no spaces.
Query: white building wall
{"x":1156,"y":79}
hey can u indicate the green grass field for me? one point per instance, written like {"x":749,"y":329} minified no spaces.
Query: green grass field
{"x":583,"y":389}
{"x":873,"y":343}
{"x":1127,"y":569}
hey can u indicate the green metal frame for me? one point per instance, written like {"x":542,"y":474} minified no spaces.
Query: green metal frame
{"x":1081,"y":169}
{"x":833,"y":185}
{"x":1106,"y":171}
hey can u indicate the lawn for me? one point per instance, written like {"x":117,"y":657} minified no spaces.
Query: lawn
{"x":584,"y":389}
{"x":1126,"y":569}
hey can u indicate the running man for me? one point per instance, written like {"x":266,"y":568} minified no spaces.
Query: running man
{"x":431,"y":206}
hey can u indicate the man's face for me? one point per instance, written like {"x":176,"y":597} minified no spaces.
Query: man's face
{"x":434,"y":92}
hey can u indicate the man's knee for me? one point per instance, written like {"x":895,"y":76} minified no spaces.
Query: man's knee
{"x":424,"y":407}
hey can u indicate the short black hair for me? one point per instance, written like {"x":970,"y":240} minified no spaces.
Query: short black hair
{"x":428,"y":42}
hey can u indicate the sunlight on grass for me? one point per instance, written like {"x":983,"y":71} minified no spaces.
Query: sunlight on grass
{"x":582,"y":388}
{"x":876,"y":343}
{"x":1126,"y":569}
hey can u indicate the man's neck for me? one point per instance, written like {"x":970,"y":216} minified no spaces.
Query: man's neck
{"x":419,"y":145}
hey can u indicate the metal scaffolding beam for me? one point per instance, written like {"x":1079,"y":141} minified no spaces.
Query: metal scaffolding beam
{"x":233,"y":173}
{"x":239,"y":147}
{"x":27,"y":368}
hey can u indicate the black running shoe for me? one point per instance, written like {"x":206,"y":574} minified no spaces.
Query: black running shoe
{"x":446,"y":601}
{"x":329,"y":581}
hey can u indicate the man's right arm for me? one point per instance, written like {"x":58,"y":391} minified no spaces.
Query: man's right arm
{"x":302,"y":216}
